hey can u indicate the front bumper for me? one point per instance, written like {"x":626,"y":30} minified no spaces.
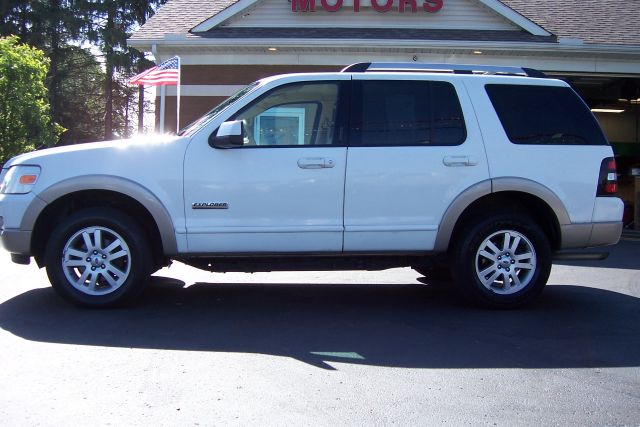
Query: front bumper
{"x":16,"y":241}
{"x":17,"y":218}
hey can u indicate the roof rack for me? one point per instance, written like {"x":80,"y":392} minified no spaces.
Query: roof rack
{"x":362,"y":67}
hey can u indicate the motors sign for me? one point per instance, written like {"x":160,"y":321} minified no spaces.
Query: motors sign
{"x":412,"y":6}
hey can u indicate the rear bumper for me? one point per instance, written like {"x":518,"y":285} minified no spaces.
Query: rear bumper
{"x":604,"y":229}
{"x":590,"y":235}
{"x":605,"y":234}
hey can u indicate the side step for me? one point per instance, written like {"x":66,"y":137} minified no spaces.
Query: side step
{"x":580,"y":256}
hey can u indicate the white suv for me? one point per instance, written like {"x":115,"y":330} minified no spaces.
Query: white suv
{"x":481,"y":172}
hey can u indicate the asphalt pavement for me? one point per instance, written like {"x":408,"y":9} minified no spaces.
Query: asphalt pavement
{"x":324,"y":348}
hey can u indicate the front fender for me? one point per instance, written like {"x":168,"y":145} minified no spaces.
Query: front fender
{"x":115,"y":184}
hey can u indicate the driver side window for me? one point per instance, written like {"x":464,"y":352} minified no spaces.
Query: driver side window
{"x":292,"y":115}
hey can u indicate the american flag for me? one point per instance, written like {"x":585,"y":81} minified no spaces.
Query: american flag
{"x":167,"y":73}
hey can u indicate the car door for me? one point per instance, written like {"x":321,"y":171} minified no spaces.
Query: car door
{"x":283,"y":189}
{"x":414,"y":147}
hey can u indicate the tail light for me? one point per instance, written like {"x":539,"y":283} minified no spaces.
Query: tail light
{"x":608,"y":180}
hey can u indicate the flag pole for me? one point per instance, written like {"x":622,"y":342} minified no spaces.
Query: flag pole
{"x":163,"y":92}
{"x":178,"y":97}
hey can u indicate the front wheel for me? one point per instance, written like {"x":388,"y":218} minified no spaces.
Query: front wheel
{"x":97,"y":257}
{"x":503,"y":261}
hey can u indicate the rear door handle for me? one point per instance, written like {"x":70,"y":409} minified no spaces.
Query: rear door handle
{"x":454,"y":161}
{"x":316,"y":163}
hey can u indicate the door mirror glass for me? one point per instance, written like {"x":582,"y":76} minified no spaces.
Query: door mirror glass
{"x":229,"y":135}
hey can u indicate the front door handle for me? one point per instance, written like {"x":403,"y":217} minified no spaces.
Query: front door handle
{"x":315,"y":163}
{"x":454,"y":161}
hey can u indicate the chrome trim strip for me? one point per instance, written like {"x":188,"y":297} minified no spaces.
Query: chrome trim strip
{"x":210,"y":205}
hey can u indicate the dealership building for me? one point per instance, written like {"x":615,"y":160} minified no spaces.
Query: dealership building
{"x":225,"y":44}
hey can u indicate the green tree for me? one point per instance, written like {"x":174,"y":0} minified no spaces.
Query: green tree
{"x":25,"y":119}
{"x":118,"y":19}
{"x":48,"y":25}
{"x":141,"y":11}
{"x":58,"y":27}
{"x":82,"y":91}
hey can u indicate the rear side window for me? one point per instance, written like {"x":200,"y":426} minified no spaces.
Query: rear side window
{"x":402,"y":113}
{"x":544,"y":115}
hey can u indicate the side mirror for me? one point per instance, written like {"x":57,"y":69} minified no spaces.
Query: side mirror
{"x":229,"y":135}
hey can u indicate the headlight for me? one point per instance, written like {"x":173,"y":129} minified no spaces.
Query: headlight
{"x":19,"y":179}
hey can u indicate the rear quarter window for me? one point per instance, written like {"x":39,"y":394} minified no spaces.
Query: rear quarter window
{"x":544,"y":115}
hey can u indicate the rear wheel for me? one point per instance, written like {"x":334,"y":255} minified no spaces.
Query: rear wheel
{"x":98,"y":257}
{"x":502,"y":261}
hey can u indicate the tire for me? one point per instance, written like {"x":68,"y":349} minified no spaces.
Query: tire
{"x":490,"y":274}
{"x":98,"y":257}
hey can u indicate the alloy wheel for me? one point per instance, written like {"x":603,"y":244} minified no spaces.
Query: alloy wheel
{"x":96,"y":260}
{"x":505,"y":262}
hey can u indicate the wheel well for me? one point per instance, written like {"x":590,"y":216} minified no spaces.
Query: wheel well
{"x":517,"y":203}
{"x":51,"y":216}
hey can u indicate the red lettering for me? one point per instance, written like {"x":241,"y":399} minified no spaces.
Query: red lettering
{"x":432,"y":6}
{"x":331,"y":8}
{"x":412,"y":4}
{"x":303,"y":5}
{"x":382,"y":8}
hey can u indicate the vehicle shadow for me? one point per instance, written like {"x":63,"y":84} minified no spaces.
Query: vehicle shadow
{"x":408,"y":325}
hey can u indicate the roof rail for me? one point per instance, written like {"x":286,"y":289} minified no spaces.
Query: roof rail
{"x":362,"y":67}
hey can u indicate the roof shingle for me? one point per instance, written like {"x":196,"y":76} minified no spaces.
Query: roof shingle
{"x":592,"y":21}
{"x":180,"y":16}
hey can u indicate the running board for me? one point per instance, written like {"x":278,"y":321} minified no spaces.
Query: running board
{"x":580,"y":256}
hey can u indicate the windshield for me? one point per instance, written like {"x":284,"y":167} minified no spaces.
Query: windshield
{"x":199,"y":123}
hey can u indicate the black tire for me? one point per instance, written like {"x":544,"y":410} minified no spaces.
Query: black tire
{"x":112,"y":271}
{"x":488,"y":275}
